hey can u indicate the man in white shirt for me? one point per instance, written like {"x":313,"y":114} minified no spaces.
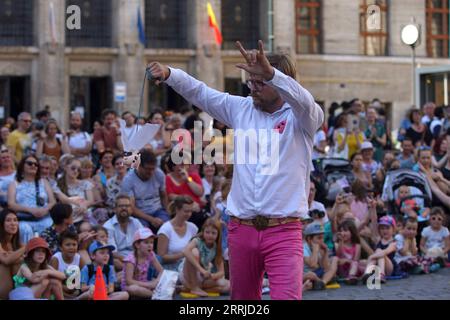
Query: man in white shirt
{"x":264,"y":233}
{"x":121,"y":229}
{"x":80,"y":142}
{"x":130,"y":124}
{"x":428,"y":109}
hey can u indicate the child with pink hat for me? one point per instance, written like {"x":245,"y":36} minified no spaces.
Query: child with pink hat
{"x":137,"y":264}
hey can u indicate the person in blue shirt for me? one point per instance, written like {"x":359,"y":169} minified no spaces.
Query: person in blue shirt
{"x":100,"y":254}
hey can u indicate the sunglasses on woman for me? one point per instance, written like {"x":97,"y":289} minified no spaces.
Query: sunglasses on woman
{"x":31,"y":163}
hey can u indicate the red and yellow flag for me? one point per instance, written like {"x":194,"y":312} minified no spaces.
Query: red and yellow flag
{"x":213,"y":23}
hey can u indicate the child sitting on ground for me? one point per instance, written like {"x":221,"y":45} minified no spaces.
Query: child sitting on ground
{"x":137,"y":265}
{"x":67,"y":257}
{"x":100,"y":254}
{"x":383,"y":257}
{"x":86,"y":235}
{"x":35,"y":272}
{"x":203,"y":268}
{"x":407,"y":251}
{"x":435,"y":242}
{"x":316,"y":260}
{"x":348,"y":250}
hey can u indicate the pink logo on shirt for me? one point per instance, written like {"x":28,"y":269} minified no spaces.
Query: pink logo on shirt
{"x":280,"y":126}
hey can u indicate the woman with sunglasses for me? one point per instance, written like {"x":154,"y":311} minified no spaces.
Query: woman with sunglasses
{"x":32,"y":198}
{"x":72,"y":186}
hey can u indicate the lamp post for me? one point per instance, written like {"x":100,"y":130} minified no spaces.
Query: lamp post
{"x":410,"y":36}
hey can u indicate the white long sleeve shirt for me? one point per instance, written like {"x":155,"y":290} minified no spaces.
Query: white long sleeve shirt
{"x":253,"y":191}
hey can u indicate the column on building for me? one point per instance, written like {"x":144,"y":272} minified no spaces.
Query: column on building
{"x":49,"y":68}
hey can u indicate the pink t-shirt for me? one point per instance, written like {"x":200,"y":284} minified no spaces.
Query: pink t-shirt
{"x":140,"y":270}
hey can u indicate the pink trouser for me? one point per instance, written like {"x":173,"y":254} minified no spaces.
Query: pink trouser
{"x":278,"y":251}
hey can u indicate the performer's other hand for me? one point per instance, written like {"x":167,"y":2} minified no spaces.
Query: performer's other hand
{"x":257,"y":63}
{"x":159,"y":72}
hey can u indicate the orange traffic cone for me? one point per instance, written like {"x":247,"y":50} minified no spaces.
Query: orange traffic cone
{"x":100,"y":292}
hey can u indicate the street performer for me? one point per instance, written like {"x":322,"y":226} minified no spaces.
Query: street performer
{"x":265,"y":232}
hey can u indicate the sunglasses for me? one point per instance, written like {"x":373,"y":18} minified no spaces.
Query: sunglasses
{"x":255,"y":85}
{"x":31,"y":163}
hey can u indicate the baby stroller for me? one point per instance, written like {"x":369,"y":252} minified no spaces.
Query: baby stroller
{"x":333,"y":175}
{"x":419,"y":189}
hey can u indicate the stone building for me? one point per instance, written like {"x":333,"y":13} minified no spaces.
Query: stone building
{"x":45,"y":63}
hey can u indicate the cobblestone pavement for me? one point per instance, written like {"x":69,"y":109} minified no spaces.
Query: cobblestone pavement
{"x":434,"y":286}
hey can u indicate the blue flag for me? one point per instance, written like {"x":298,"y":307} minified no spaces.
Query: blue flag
{"x":140,"y":27}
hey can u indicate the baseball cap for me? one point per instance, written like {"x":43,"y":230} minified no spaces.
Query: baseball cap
{"x":142,"y":234}
{"x":314,"y":228}
{"x":366,"y":145}
{"x":97,"y":245}
{"x":36,"y":243}
{"x":386,"y":221}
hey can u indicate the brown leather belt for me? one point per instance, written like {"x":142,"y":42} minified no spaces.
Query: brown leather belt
{"x":261,"y":223}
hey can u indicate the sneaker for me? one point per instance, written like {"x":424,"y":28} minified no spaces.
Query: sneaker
{"x":319,"y":285}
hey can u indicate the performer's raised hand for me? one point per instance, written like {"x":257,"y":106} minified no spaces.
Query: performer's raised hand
{"x":257,"y":62}
{"x":159,"y":72}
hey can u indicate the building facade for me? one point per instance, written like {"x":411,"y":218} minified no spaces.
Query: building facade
{"x":43,"y":62}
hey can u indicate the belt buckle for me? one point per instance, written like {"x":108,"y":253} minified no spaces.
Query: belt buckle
{"x":261,"y":222}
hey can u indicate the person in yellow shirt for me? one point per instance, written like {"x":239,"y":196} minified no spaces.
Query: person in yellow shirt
{"x":19,"y":140}
{"x":347,"y":138}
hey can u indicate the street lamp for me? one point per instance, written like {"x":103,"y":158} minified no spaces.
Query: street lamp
{"x":410,"y":36}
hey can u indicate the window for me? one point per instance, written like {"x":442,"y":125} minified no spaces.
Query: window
{"x":438,"y":28}
{"x":16,"y":22}
{"x":166,"y":23}
{"x":96,"y":24}
{"x":374,"y":40}
{"x":307,"y":20}
{"x":241,"y":21}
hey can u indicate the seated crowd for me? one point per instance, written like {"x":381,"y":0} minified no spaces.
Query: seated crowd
{"x":69,"y":200}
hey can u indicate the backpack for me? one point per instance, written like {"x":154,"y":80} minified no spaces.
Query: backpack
{"x":91,"y":271}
